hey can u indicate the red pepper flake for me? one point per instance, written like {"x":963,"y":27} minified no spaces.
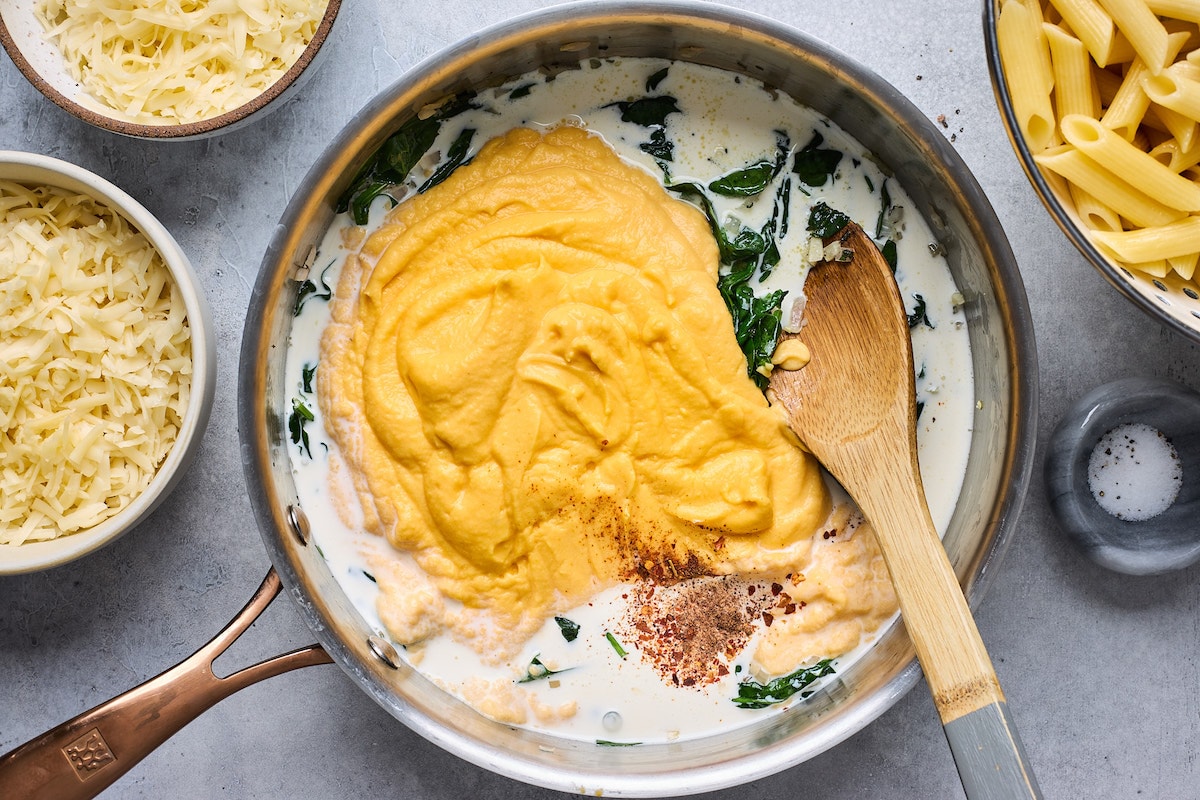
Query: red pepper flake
{"x":767,"y":618}
{"x":776,"y":589}
{"x":790,"y":608}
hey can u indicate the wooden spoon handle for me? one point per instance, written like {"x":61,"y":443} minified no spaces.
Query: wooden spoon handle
{"x":987,"y":751}
{"x":939,"y":622}
{"x":990,"y":758}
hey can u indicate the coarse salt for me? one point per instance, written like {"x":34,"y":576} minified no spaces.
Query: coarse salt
{"x":1134,"y":472}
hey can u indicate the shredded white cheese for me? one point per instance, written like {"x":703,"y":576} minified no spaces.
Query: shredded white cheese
{"x":165,"y":62}
{"x":95,"y":362}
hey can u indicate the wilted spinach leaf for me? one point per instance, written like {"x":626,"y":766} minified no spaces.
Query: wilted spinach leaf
{"x":814,"y":165}
{"x":537,"y":671}
{"x":885,"y":203}
{"x":659,"y":145}
{"x":648,"y":112}
{"x":889,"y":253}
{"x":754,"y":179}
{"x":300,"y":416}
{"x":747,"y":243}
{"x":824,"y":221}
{"x":919,"y":315}
{"x":309,"y":291}
{"x":652,"y":112}
{"x":752,"y":694}
{"x":569,"y":628}
{"x":756,"y":320}
{"x":521,"y":91}
{"x":654,"y":80}
{"x":396,"y":157}
{"x":454,"y":159}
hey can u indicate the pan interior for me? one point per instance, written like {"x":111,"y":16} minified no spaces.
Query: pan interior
{"x":906,"y":144}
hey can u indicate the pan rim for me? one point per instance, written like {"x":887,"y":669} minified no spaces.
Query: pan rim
{"x":326,"y":180}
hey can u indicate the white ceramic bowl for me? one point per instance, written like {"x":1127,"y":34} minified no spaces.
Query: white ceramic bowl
{"x":37,"y":170}
{"x":41,"y":62}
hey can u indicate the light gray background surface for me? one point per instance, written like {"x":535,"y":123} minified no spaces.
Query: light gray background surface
{"x":1100,"y":669}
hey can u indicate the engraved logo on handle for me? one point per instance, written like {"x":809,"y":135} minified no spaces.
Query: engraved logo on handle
{"x":88,"y":754}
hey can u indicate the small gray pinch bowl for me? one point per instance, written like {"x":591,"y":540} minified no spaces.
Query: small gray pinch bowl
{"x":37,"y":170}
{"x":44,"y":66}
{"x":1172,"y":301}
{"x":1162,"y":543}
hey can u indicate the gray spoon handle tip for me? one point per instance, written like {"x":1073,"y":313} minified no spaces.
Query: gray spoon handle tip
{"x":990,"y":759}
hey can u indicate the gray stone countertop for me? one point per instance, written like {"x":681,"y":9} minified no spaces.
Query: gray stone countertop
{"x":1100,"y":669}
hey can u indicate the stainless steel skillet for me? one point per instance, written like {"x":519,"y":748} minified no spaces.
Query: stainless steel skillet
{"x":904,"y":141}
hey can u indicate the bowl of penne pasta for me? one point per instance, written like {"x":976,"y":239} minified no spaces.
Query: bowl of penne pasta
{"x":1101,"y":100}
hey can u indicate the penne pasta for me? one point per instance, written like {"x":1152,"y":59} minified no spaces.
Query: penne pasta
{"x":1091,"y":23}
{"x":1107,"y":97}
{"x":1075,"y":90}
{"x":1185,"y":265}
{"x":1184,"y":69}
{"x":1177,"y":9}
{"x":1143,"y":29}
{"x":1152,"y":243}
{"x":1180,"y":94}
{"x":1029,"y":87}
{"x":1130,"y":164}
{"x":1128,"y":107}
{"x":1101,"y":184}
{"x":1180,"y":126}
{"x":1035,"y":22}
{"x":1174,"y":157}
{"x":1108,"y":83}
{"x":1155,"y":269}
{"x":1096,"y":216}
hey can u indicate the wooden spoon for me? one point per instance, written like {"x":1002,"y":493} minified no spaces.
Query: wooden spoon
{"x":853,"y":405}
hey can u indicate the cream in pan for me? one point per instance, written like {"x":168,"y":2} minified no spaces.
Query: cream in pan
{"x":615,"y":680}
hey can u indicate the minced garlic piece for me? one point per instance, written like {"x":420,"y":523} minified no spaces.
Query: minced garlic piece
{"x":95,"y":363}
{"x":165,"y":62}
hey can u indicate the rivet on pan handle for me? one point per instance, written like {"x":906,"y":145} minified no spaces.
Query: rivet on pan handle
{"x":298,"y":521}
{"x":384,"y":651}
{"x":83,"y":756}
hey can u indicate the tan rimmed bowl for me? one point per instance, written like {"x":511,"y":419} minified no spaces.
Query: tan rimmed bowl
{"x":41,"y":62}
{"x":37,"y":170}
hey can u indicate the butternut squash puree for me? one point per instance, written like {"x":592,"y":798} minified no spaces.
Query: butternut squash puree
{"x":536,"y":385}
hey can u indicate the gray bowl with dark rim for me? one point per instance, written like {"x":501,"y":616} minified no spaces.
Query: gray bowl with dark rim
{"x":905,"y":142}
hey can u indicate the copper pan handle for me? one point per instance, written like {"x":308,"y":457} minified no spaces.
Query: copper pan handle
{"x":85,"y":755}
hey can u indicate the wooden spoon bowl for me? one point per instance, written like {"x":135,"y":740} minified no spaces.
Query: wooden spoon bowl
{"x":853,"y":405}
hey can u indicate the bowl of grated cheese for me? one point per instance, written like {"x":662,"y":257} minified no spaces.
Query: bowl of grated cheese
{"x":165,"y":70}
{"x":107,"y":362}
